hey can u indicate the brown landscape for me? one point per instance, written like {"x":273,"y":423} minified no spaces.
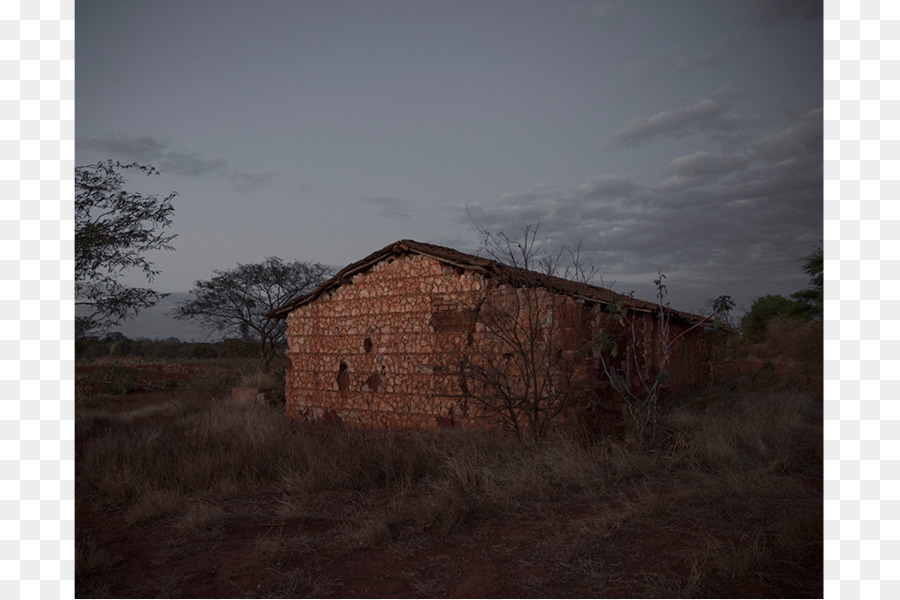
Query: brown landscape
{"x":181,"y":492}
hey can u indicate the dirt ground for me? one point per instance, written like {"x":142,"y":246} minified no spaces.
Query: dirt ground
{"x":512,"y":558}
{"x":563,"y":552}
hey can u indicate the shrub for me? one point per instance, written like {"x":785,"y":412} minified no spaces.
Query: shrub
{"x":261,"y":380}
{"x":122,"y":347}
{"x":766,"y":309}
{"x":236,"y":348}
{"x":202,"y":350}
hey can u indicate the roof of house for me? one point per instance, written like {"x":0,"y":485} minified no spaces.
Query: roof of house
{"x":489,"y":268}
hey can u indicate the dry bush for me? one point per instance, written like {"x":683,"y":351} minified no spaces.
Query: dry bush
{"x":733,"y":429}
{"x":794,"y":338}
{"x":261,"y":380}
{"x":796,"y":343}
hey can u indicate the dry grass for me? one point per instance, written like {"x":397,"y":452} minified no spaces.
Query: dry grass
{"x":228,"y":449}
{"x":276,"y":548}
{"x":153,"y":505}
{"x":304,"y":582}
{"x":731,"y":486}
{"x":261,"y":380}
{"x":91,"y":558}
{"x":218,"y":376}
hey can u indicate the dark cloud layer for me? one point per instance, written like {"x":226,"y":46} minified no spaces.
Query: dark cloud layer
{"x":391,"y":208}
{"x":605,"y":8}
{"x":727,"y":222}
{"x":775,"y":11}
{"x":146,"y":149}
{"x":245,"y":181}
{"x":684,"y":59}
{"x":707,"y":114}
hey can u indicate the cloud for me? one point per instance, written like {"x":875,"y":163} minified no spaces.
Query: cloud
{"x":146,"y":149}
{"x":682,"y":59}
{"x":720,"y":223}
{"x":127,"y":147}
{"x":606,"y":8}
{"x":191,"y":165}
{"x":706,"y":164}
{"x":712,"y":55}
{"x":608,"y":186}
{"x":245,"y":181}
{"x":775,"y":11}
{"x":800,"y":138}
{"x":702,"y":115}
{"x":391,"y":208}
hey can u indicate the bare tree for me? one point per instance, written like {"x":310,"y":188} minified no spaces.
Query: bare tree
{"x":533,"y":341}
{"x":239,"y":300}
{"x":643,"y":390}
{"x":114,"y":230}
{"x":529,"y":337}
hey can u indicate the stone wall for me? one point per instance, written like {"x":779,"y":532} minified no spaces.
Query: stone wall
{"x":383,"y":348}
{"x":367,"y":352}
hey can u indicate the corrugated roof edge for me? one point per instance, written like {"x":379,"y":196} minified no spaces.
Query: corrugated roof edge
{"x":490,"y":268}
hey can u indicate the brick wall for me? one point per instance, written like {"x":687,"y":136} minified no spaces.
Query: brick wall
{"x":367,"y":352}
{"x":382,"y":350}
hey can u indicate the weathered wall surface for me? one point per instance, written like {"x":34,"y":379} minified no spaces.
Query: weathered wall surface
{"x":367,"y":353}
{"x":381,"y":349}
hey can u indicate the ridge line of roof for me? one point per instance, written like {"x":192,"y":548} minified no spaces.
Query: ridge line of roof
{"x":584,"y":291}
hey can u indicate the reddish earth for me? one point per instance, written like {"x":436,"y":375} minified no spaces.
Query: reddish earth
{"x":503,"y":560}
{"x":128,"y":375}
{"x":537,"y":556}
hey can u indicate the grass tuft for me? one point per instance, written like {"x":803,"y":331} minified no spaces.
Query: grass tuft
{"x":732,"y":493}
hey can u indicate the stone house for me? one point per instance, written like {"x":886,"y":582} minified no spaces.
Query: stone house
{"x":418,"y":336}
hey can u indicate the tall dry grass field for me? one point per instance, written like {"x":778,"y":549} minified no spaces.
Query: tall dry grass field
{"x":728,"y":504}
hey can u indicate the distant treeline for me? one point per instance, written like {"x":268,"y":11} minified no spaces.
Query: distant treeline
{"x":117,"y":344}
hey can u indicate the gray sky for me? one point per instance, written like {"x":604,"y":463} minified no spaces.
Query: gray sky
{"x":680,"y":136}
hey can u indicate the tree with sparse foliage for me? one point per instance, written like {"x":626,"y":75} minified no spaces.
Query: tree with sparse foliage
{"x":523,"y":376}
{"x":114,"y":230}
{"x":239,"y":300}
{"x":803,"y":305}
{"x":766,"y":309}
{"x":642,"y":395}
{"x":812,"y":298}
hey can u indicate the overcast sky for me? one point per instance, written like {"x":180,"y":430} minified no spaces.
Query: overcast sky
{"x":680,"y":136}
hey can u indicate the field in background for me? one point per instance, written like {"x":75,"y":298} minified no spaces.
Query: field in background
{"x":180,"y":493}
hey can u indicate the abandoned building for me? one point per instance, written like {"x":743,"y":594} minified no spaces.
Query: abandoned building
{"x":418,"y":336}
